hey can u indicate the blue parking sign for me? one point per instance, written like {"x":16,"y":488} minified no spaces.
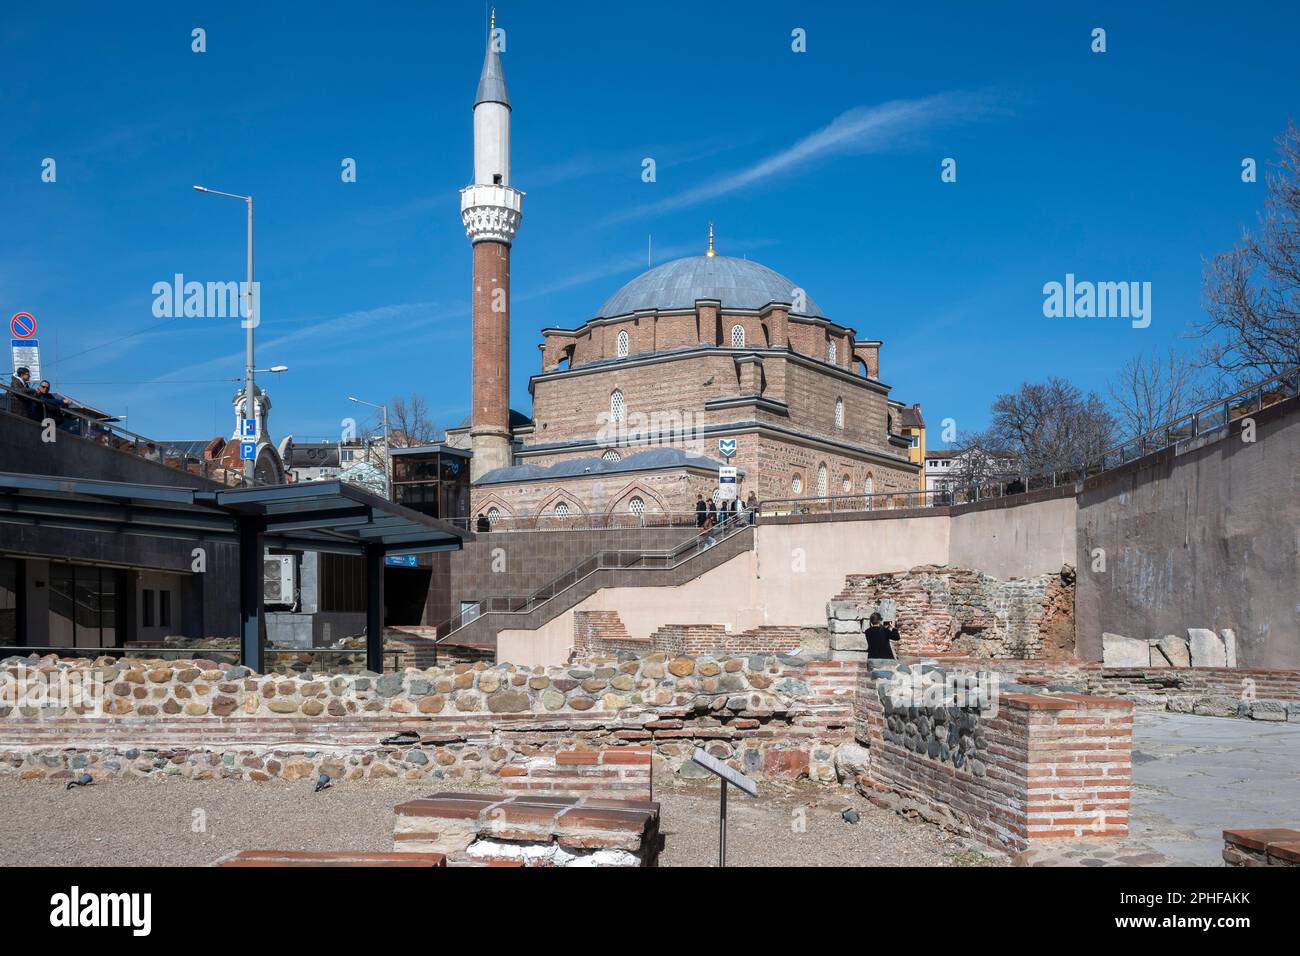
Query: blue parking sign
{"x":248,"y":450}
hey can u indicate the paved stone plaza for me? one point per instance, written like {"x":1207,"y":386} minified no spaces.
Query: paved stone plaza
{"x":1194,"y":777}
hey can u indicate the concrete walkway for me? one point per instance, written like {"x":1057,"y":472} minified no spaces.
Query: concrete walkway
{"x":1194,"y":777}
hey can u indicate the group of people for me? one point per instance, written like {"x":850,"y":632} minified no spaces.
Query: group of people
{"x":709,"y":515}
{"x":38,"y":403}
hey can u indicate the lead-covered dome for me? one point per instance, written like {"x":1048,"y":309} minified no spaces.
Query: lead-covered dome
{"x":736,"y":283}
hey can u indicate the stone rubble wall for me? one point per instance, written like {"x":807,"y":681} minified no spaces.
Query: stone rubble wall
{"x":945,"y":610}
{"x":771,"y":716}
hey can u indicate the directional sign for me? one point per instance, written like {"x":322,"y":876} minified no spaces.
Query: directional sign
{"x":22,"y":325}
{"x":401,"y":561}
{"x":734,"y":777}
{"x":248,"y":450}
{"x":727,"y":447}
{"x":248,"y":428}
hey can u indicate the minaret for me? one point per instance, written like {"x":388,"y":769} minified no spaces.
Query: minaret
{"x":491,"y":211}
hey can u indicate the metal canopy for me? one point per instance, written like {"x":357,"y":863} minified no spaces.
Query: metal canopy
{"x":330,"y":516}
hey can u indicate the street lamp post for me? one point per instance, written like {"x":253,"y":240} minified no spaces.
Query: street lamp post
{"x":388,"y":481}
{"x":250,"y":409}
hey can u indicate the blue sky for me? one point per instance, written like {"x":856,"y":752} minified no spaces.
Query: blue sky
{"x":824,"y":165}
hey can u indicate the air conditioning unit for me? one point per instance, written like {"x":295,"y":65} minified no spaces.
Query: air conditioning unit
{"x":278,"y":581}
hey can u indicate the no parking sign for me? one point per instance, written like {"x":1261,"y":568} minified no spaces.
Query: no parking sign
{"x":26,"y":349}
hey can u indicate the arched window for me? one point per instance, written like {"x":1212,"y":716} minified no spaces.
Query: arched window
{"x":821,"y":480}
{"x":868,"y":488}
{"x":832,"y":351}
{"x":611,"y":455}
{"x":839,"y":413}
{"x":622,"y":345}
{"x":494,"y":515}
{"x":636,"y":506}
{"x":846,"y":484}
{"x":737,"y":336}
{"x":796,"y":484}
{"x":562,"y":509}
{"x":616,"y":406}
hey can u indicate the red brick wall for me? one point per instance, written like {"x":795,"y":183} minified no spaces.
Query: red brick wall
{"x":618,"y":772}
{"x":1045,"y":767}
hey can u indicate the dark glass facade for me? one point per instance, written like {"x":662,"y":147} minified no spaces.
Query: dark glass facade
{"x":434,"y":482}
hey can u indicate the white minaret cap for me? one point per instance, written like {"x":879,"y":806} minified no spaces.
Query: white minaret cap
{"x":490,"y":208}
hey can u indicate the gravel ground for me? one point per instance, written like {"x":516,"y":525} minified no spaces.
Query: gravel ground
{"x":154,"y":823}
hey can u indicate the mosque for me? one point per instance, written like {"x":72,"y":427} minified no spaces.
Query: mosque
{"x":702,"y":363}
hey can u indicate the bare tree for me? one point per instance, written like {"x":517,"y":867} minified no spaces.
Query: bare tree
{"x":984,"y":459}
{"x":410,"y":423}
{"x":1252,"y":293}
{"x":1150,"y":390}
{"x":1052,"y":426}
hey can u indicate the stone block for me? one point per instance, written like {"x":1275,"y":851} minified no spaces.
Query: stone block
{"x":1207,"y":648}
{"x":844,"y":627}
{"x":843,"y":611}
{"x":1217,"y":705}
{"x":856,"y":641}
{"x":850,"y":760}
{"x":1229,"y":646}
{"x":1170,"y":650}
{"x":814,"y":643}
{"x":1268,"y":710}
{"x":1120,"y":651}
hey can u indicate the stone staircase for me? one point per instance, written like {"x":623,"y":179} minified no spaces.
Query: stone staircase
{"x":649,"y":569}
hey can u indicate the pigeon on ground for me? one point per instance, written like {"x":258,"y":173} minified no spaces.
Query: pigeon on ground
{"x":84,"y":780}
{"x":851,"y":816}
{"x":322,"y":782}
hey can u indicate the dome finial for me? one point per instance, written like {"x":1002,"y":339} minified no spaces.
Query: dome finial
{"x":493,"y":25}
{"x":709,"y":251}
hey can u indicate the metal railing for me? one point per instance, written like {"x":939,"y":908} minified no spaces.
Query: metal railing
{"x":74,"y":424}
{"x":615,"y":559}
{"x":579,"y":522}
{"x":1208,"y":418}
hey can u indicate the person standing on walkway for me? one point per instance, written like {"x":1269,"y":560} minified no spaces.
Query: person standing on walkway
{"x":700,"y":511}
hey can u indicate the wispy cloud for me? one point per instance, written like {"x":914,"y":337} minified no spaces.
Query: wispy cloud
{"x":864,"y":129}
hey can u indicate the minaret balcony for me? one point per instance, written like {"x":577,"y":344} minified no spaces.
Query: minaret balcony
{"x":491,"y":213}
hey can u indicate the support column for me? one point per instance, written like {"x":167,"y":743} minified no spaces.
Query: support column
{"x":252,"y":624}
{"x":375,"y":608}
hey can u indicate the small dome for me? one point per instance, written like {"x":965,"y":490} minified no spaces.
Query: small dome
{"x":736,"y":283}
